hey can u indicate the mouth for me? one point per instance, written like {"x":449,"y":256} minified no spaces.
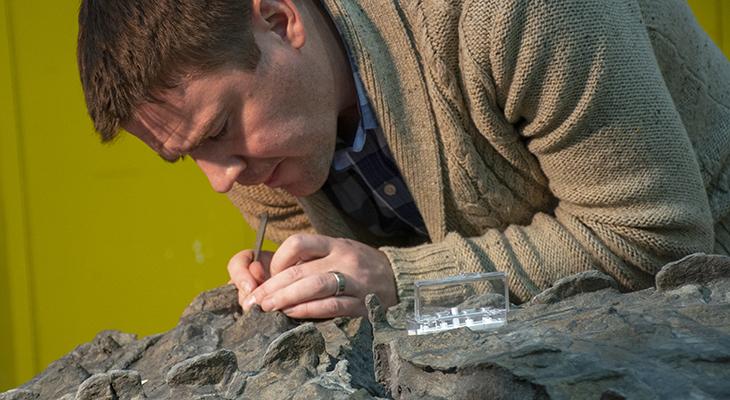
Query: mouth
{"x":271,"y":181}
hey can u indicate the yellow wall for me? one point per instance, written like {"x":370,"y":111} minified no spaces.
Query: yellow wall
{"x":92,"y":237}
{"x":95,"y":237}
{"x":714,"y":16}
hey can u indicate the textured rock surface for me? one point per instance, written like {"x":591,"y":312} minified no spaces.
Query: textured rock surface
{"x":216,"y":352}
{"x":696,"y":268}
{"x":580,"y":339}
{"x":596,"y":344}
{"x":583,"y":282}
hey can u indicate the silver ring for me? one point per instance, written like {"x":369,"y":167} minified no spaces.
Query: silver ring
{"x":340,"y":283}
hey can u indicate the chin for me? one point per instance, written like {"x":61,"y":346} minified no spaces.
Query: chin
{"x":300,"y":190}
{"x":305,"y":187}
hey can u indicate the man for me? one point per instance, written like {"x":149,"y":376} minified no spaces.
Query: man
{"x":413,"y":140}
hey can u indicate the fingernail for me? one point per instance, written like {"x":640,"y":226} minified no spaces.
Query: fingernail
{"x":247,"y":287}
{"x":289,"y":310}
{"x":249,"y":302}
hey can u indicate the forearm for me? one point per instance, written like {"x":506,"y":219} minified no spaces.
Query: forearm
{"x":551,"y":247}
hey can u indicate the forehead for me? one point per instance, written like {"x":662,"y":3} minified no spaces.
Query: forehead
{"x":178,"y":118}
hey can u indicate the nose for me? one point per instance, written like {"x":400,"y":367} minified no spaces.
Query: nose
{"x":222,"y":174}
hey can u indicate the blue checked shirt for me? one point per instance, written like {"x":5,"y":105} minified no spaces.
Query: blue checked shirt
{"x":365,"y":182}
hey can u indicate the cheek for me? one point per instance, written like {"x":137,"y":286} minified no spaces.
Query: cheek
{"x":309,"y":171}
{"x":281,"y":139}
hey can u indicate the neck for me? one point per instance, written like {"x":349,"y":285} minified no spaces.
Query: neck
{"x":339,"y":62}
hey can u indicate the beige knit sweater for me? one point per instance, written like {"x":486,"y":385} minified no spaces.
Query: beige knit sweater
{"x":541,"y":138}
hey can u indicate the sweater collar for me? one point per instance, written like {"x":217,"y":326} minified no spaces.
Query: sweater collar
{"x":375,"y":30}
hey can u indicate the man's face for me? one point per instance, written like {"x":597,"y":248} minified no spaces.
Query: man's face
{"x":275,"y":125}
{"x":244,"y":127}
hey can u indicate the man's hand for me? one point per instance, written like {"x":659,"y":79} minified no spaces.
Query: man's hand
{"x":248,"y":274}
{"x":297,"y":279}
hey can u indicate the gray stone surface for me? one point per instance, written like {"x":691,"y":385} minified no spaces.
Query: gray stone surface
{"x":113,"y":385}
{"x":19,"y":394}
{"x":215,"y":351}
{"x":205,"y":369}
{"x":581,"y":338}
{"x":651,"y":344}
{"x":698,"y":268}
{"x":583,"y":282}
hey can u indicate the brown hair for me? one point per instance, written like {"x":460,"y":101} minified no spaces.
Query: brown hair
{"x":129,"y":49}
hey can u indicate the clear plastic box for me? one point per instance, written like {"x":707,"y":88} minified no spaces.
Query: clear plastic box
{"x":476,"y":301}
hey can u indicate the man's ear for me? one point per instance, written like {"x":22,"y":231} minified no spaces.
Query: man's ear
{"x":281,"y":17}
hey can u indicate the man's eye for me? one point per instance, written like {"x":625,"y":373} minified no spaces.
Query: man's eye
{"x":220,"y":133}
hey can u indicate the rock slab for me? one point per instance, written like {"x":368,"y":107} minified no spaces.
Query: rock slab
{"x":579,"y":340}
{"x":582,"y":338}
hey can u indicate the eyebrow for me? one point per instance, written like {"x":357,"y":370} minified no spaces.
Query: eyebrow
{"x":212,"y":122}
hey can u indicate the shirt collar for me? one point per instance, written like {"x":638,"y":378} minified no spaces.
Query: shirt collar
{"x":354,"y":143}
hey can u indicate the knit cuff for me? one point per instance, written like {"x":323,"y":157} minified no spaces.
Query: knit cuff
{"x":427,"y":261}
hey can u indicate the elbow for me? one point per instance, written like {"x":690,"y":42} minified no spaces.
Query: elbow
{"x":697,"y":234}
{"x":692,"y":233}
{"x":645,"y":248}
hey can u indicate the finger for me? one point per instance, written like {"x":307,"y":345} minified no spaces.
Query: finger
{"x":241,"y":298}
{"x":286,"y":278}
{"x":258,"y":272}
{"x":299,"y":248}
{"x":259,"y":269}
{"x":239,"y":273}
{"x":312,"y":287}
{"x":329,"y":307}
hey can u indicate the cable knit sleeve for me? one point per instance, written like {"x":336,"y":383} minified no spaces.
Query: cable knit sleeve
{"x":578,"y":83}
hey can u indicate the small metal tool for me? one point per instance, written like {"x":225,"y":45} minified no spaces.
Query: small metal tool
{"x":263,"y":220}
